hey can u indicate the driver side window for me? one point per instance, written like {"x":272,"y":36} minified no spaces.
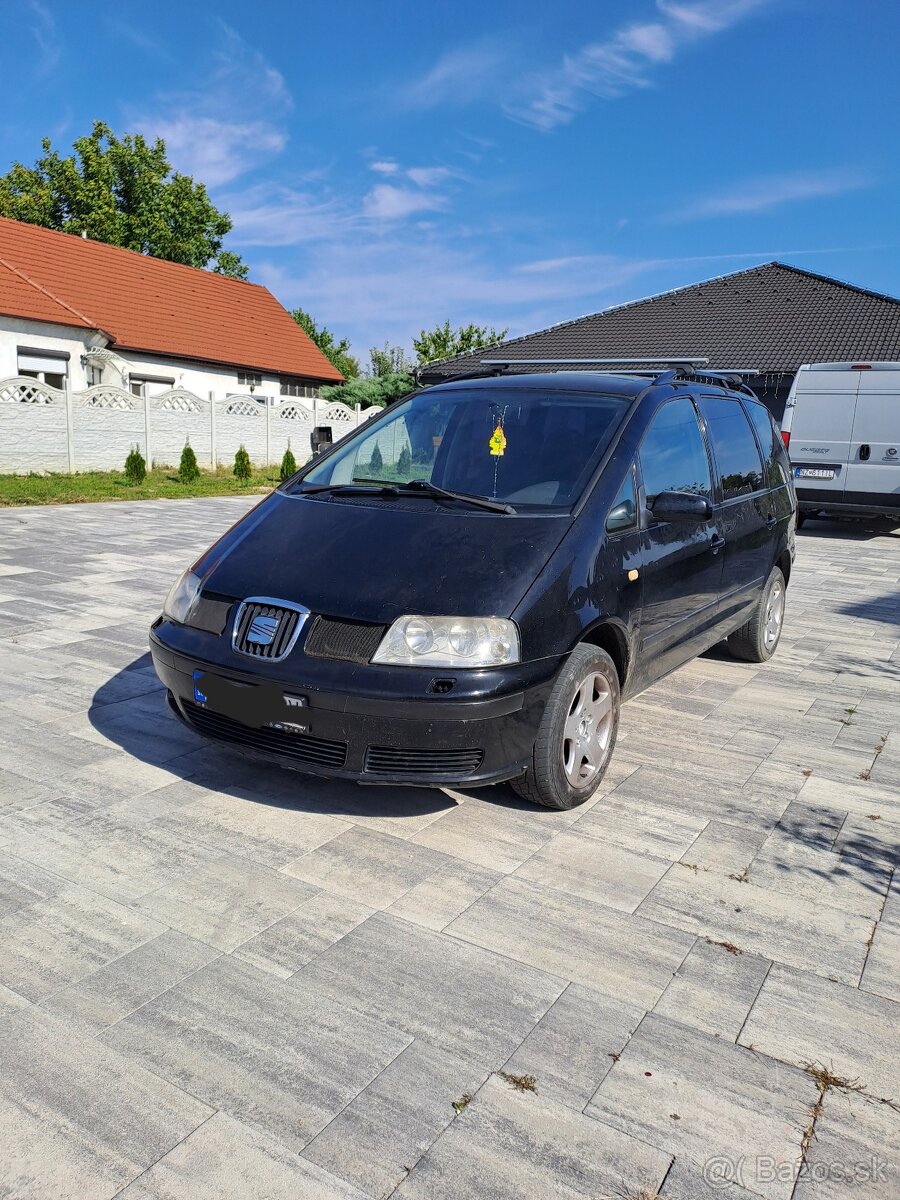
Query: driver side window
{"x":673,"y":453}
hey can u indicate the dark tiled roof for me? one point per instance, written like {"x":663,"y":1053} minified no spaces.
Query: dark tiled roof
{"x":770,"y":319}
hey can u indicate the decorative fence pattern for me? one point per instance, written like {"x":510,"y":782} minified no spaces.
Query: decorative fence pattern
{"x":45,"y":429}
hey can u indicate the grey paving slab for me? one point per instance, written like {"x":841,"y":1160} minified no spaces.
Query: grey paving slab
{"x":800,"y":1019}
{"x":688,"y":1180}
{"x":510,"y":1145}
{"x":458,"y":997}
{"x":696,"y":1095}
{"x":617,"y":953}
{"x":714,"y":989}
{"x":226,"y":1160}
{"x":225,"y":901}
{"x":302,"y":935}
{"x":575,"y":1043}
{"x":367,"y":866}
{"x":78,"y":1119}
{"x":441,"y":897}
{"x":283,"y":1058}
{"x":381,"y":1135}
{"x":56,"y":941}
{"x":882,"y":972}
{"x":635,"y":823}
{"x":488,"y":835}
{"x":788,"y":929}
{"x":855,"y":1153}
{"x":123,"y":985}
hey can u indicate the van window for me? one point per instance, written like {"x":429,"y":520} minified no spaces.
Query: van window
{"x":769,"y":441}
{"x":673,"y":454}
{"x":525,"y":446}
{"x":734,"y":446}
{"x":622,"y":513}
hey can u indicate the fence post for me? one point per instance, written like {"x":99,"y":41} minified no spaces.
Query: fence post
{"x":268,"y":424}
{"x":358,"y":408}
{"x":212,"y":431}
{"x":70,"y":439}
{"x":148,"y":455}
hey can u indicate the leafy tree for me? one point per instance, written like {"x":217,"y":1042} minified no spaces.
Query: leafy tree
{"x":243,"y":468}
{"x":288,"y":463}
{"x":376,"y":462}
{"x":337,"y":353}
{"x":444,"y":342}
{"x":376,"y":391}
{"x":188,"y":471}
{"x":135,"y":466}
{"x":389,"y":360}
{"x":124,"y":192}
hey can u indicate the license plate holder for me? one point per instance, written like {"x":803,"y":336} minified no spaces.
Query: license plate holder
{"x":258,"y":705}
{"x":814,"y":472}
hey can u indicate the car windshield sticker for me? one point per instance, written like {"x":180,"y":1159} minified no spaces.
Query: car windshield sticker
{"x":498,"y":440}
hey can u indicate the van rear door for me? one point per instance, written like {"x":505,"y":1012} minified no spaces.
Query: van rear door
{"x":873,"y":469}
{"x":821,"y":429}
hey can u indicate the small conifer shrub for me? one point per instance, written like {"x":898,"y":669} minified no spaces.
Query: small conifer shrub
{"x":135,"y":467}
{"x":288,"y":463}
{"x":242,"y":466}
{"x":404,"y":463}
{"x":188,"y":471}
{"x":376,"y":463}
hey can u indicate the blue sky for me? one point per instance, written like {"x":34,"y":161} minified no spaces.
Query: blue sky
{"x":513,"y":163}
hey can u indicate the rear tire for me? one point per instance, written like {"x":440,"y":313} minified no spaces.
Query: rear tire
{"x":758,"y":640}
{"x":577,"y":733}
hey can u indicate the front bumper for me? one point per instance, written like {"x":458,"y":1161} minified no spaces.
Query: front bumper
{"x":403,"y":738}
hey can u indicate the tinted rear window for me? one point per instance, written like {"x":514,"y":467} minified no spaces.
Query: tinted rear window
{"x":734,"y":446}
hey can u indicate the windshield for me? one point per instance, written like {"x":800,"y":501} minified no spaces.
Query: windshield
{"x":532,"y":449}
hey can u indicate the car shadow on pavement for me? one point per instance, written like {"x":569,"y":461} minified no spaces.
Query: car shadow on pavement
{"x":130,"y":710}
{"x":852,"y":530}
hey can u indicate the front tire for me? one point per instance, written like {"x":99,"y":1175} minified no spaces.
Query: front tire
{"x":577,"y":733}
{"x":758,"y":640}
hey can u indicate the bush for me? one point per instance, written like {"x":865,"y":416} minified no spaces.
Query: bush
{"x":376,"y":463}
{"x":135,"y":467}
{"x":288,"y":463}
{"x":404,"y":463}
{"x":188,"y":471}
{"x":242,"y":466}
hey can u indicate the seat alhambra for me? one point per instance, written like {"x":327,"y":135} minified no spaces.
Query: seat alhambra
{"x":465,"y":589}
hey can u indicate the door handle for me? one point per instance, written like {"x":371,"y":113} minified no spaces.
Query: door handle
{"x":717,"y":543}
{"x":771,"y":520}
{"x":864,"y":451}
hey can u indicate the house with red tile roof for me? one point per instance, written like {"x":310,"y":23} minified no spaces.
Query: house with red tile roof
{"x":76,"y":313}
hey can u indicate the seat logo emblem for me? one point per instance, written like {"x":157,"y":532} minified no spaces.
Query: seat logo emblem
{"x":262,"y":631}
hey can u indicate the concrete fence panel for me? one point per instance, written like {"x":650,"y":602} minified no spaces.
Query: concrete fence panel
{"x":242,"y":421}
{"x":178,"y":416}
{"x":106,"y":423}
{"x":33,"y":427}
{"x":291,"y":421}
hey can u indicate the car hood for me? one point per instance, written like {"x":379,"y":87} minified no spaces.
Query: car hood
{"x":374,"y":560}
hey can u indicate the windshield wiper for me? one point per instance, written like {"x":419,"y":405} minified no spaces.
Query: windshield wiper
{"x":356,"y":488}
{"x":432,"y":489}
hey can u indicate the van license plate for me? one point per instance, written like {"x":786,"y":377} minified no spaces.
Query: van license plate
{"x":813,"y":473}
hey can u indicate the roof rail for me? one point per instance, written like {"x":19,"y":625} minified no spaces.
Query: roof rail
{"x":727,"y":379}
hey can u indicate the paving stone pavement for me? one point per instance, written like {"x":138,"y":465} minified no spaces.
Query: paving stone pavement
{"x":221,"y":979}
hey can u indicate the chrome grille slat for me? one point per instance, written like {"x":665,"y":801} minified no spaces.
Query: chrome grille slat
{"x":289,"y":619}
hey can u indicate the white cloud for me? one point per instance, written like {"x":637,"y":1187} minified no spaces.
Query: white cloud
{"x":385,"y":202}
{"x":459,"y":77}
{"x":385,"y":166}
{"x":45,"y":33}
{"x":623,"y":62}
{"x":275,"y":215}
{"x":428,"y":176}
{"x":771,"y":191}
{"x":231,"y":122}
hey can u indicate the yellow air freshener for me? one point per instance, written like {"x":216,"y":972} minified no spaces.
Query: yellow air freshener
{"x":498,"y":441}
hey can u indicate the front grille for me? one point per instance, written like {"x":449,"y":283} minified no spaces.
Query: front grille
{"x":354,"y":641}
{"x":384,"y":760}
{"x":256,"y":618}
{"x":301,"y":747}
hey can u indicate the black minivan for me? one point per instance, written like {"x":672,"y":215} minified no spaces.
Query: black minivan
{"x":464,"y":589}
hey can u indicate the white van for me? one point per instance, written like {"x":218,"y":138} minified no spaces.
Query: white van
{"x":842,"y":430}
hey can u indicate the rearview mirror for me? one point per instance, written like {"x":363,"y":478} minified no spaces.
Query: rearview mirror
{"x":620,"y":517}
{"x":680,"y":506}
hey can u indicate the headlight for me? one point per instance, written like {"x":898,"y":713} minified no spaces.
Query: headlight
{"x":181,"y":597}
{"x":449,"y":642}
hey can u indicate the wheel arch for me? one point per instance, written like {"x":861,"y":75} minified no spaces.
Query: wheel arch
{"x":610,"y":635}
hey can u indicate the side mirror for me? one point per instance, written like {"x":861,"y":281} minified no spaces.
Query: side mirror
{"x":622,"y":516}
{"x":680,"y":506}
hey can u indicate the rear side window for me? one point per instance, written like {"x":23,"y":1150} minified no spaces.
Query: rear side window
{"x":768,"y":440}
{"x":673,"y":454}
{"x":734,"y":446}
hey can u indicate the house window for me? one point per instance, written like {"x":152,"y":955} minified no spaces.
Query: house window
{"x":149,"y":385}
{"x":249,"y":379}
{"x":49,"y":366}
{"x":297,"y":387}
{"x":94,"y":375}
